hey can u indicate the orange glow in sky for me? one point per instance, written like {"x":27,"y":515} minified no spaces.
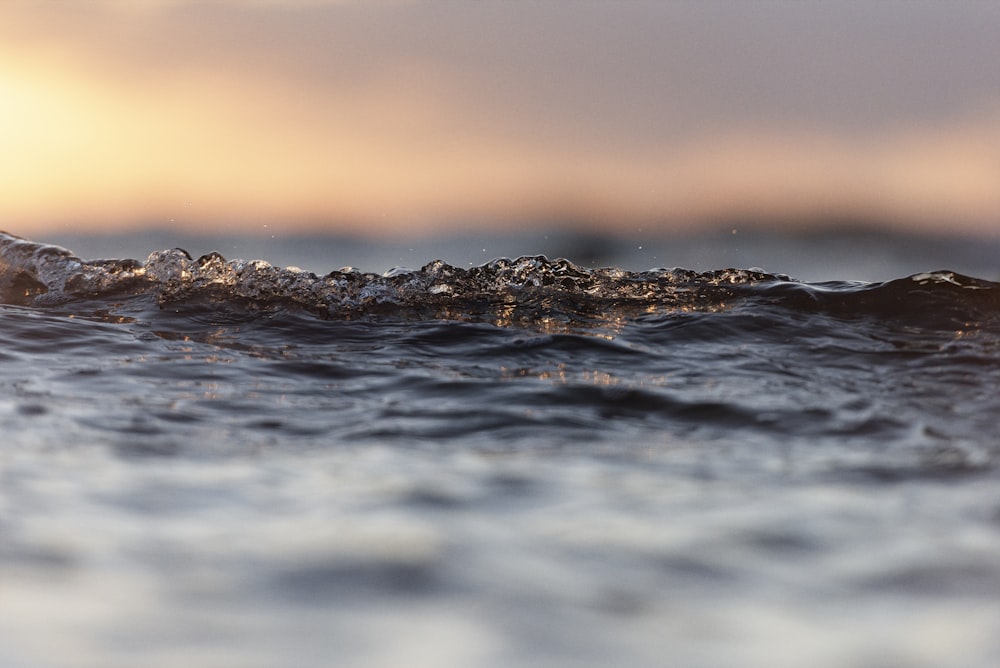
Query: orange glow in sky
{"x":394,"y":117}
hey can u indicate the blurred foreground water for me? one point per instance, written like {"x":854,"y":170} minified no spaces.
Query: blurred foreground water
{"x":215,"y":462}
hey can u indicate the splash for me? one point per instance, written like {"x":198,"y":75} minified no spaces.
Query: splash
{"x":38,"y":274}
{"x":503,"y":291}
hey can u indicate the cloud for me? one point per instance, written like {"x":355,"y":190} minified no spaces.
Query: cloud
{"x":391,"y":115}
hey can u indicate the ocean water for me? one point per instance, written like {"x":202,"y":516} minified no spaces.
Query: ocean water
{"x":519,"y":461}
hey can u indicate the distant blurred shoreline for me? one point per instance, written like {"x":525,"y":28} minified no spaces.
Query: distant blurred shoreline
{"x":841,"y":252}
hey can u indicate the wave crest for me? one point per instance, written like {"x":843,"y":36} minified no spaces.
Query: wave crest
{"x":29,"y":270}
{"x":503,"y":290}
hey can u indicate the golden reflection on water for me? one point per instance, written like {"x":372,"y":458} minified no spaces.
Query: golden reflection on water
{"x":578,"y":319}
{"x":561,"y":374}
{"x":557,"y":374}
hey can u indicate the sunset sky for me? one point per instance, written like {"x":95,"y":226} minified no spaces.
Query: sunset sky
{"x":406,"y":117}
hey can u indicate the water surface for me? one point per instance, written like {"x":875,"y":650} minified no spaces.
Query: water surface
{"x":221,"y":462}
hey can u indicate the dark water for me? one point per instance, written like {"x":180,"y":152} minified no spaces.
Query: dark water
{"x":222,"y":463}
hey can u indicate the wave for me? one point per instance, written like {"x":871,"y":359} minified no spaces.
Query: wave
{"x":529,"y":289}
